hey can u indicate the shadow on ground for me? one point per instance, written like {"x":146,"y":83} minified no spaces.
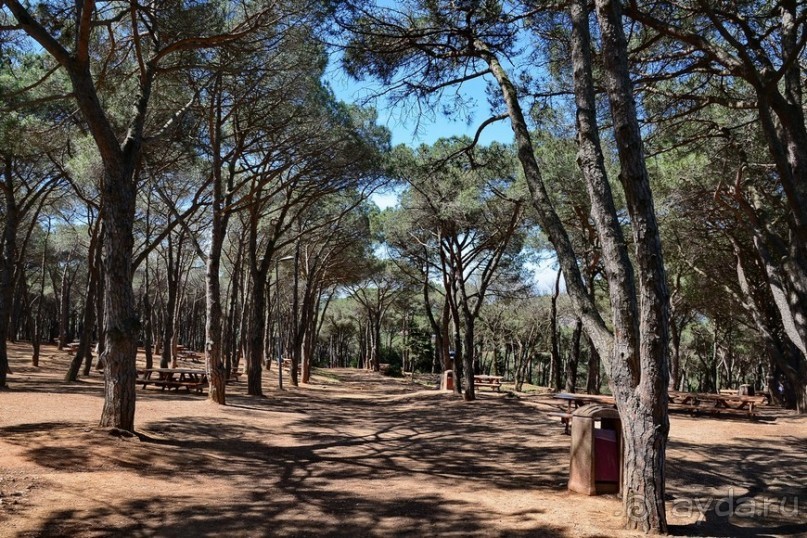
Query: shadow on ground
{"x":326,"y":473}
{"x":341,"y":461}
{"x":740,"y":490}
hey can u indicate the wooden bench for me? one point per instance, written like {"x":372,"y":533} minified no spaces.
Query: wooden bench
{"x":492,"y":381}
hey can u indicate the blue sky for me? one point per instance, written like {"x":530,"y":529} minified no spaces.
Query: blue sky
{"x":408,"y":127}
{"x":413,"y":129}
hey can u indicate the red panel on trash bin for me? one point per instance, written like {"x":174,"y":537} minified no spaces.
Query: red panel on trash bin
{"x":606,"y":456}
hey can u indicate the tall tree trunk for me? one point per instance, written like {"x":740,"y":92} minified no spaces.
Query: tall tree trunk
{"x":231,"y":340}
{"x":99,"y":315}
{"x":37,"y":317}
{"x":84,"y":352}
{"x":641,"y":397}
{"x":554,"y":336}
{"x":593,"y":377}
{"x":172,"y":280}
{"x":148,"y":339}
{"x":468,"y":358}
{"x":216,"y":373}
{"x":64,"y":302}
{"x":375,"y":350}
{"x":255,"y":332}
{"x":444,"y":348}
{"x":574,"y":358}
{"x":121,"y":326}
{"x":7,"y":256}
{"x":675,"y":355}
{"x":295,"y":318}
{"x":636,"y":352}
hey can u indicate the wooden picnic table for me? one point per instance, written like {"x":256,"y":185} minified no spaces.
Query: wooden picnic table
{"x":492,"y":381}
{"x":692,"y":402}
{"x":173,"y":378}
{"x":573,"y":401}
{"x":189,"y":355}
{"x":698,"y":402}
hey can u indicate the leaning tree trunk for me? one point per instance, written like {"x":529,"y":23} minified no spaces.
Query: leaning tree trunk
{"x":636,"y":353}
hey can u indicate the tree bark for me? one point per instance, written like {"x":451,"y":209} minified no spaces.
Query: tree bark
{"x":255,"y":332}
{"x":574,"y":358}
{"x":554,"y":361}
{"x":641,"y":394}
{"x":36,"y":338}
{"x":121,"y":326}
{"x":593,"y":377}
{"x":216,"y":373}
{"x":7,"y":256}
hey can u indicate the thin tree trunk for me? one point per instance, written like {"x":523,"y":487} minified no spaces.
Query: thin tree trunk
{"x":554,"y":336}
{"x":84,"y":352}
{"x":593,"y":378}
{"x":64,"y":302}
{"x":574,"y":358}
{"x":37,"y":336}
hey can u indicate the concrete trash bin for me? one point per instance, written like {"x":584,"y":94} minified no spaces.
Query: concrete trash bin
{"x":447,"y":380}
{"x":596,"y":453}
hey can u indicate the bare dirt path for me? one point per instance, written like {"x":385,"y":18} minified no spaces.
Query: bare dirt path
{"x":357,"y":454}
